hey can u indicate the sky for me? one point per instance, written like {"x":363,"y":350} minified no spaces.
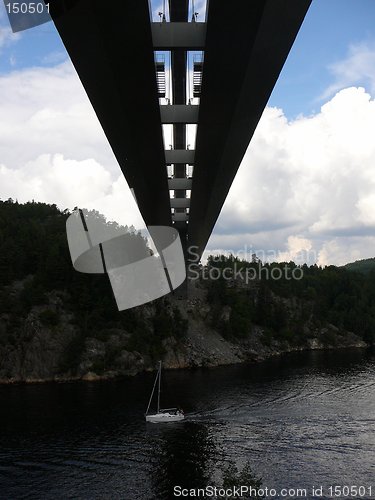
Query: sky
{"x":305,"y":190}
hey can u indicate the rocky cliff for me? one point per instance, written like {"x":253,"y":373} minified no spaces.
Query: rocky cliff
{"x":48,"y":342}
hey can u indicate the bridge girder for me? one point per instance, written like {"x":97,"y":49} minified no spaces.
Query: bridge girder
{"x":112,"y":50}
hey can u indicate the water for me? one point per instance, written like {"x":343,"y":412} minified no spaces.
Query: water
{"x":301,"y":420}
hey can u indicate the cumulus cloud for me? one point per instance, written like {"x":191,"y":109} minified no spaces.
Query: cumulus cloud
{"x":307,"y":185}
{"x":357,"y":68}
{"x":306,"y":188}
{"x":45,"y":110}
{"x":339,"y":252}
{"x":55,"y":179}
{"x":53,"y":149}
{"x":298,"y":250}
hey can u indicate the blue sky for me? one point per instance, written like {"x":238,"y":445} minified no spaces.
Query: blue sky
{"x":328,"y":30}
{"x":307,"y":181}
{"x":39,"y":46}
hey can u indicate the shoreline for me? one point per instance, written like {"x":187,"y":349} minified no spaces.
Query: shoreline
{"x":113,"y":376}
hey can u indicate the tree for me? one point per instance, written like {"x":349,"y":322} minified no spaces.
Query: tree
{"x":233,"y":476}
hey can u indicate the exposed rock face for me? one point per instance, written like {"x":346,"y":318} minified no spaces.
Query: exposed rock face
{"x":40,"y":347}
{"x":33,"y":350}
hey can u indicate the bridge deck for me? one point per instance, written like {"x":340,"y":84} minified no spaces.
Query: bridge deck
{"x":112,"y":49}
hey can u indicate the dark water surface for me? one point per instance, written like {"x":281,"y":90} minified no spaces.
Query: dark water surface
{"x":302,"y":420}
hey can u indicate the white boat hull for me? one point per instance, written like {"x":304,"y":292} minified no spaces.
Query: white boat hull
{"x":164,"y":417}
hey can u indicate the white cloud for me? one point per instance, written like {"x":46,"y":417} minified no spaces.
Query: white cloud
{"x":355,"y":248}
{"x":304,"y":186}
{"x":7,"y":37}
{"x":54,"y":179}
{"x":53,"y":149}
{"x":307,"y":183}
{"x":47,"y":111}
{"x":54,"y":57}
{"x":357,"y":68}
{"x":70,"y":183}
{"x":297,"y":250}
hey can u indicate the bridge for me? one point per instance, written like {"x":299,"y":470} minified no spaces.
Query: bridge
{"x":210,"y":77}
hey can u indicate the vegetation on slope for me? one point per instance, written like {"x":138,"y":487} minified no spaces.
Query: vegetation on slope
{"x":63,"y":314}
{"x":363,"y":266}
{"x":329,"y":295}
{"x":34,"y":251}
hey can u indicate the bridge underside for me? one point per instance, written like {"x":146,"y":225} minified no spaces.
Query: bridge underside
{"x":112,"y":49}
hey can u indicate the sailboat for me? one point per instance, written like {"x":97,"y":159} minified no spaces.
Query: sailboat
{"x":165,"y":415}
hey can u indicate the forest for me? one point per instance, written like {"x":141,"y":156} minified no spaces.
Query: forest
{"x":35,"y":261}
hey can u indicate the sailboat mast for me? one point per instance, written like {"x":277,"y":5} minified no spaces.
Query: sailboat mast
{"x":153,"y":390}
{"x":159,"y":386}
